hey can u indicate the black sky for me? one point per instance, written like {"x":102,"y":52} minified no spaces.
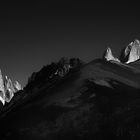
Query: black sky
{"x":33,"y":35}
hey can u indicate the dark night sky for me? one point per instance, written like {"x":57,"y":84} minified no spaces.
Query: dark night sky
{"x":33,"y":35}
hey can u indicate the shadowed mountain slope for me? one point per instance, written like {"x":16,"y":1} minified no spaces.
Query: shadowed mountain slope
{"x":99,"y":100}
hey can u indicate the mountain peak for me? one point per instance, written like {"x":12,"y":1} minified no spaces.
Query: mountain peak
{"x":2,"y":90}
{"x":137,"y":41}
{"x":17,"y":86}
{"x":7,"y":89}
{"x":131,"y":53}
{"x":52,"y":71}
{"x":108,"y":55}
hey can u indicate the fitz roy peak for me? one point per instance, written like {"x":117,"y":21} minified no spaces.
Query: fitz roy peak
{"x":7,"y":89}
{"x":131,"y":53}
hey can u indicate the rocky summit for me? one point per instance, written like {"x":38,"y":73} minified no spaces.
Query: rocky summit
{"x":131,"y":53}
{"x":7,"y":89}
{"x":17,"y":86}
{"x":109,"y":56}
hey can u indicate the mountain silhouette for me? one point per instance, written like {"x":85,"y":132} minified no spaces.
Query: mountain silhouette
{"x":71,"y":99}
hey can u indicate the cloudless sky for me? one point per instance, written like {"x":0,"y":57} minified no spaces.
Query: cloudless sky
{"x":35,"y":34}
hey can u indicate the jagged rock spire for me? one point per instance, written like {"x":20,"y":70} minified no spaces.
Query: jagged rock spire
{"x":7,"y":89}
{"x":108,"y":55}
{"x":17,"y":86}
{"x":131,"y":53}
{"x":2,"y":90}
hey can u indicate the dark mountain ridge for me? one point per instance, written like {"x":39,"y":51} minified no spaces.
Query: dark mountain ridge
{"x":70,"y":99}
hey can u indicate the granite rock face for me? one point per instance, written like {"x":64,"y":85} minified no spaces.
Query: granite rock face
{"x":109,"y":56}
{"x":17,"y":86}
{"x":2,"y":89}
{"x":131,"y":53}
{"x":7,"y":89}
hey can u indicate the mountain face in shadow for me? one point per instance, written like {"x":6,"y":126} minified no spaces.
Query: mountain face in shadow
{"x":71,"y":99}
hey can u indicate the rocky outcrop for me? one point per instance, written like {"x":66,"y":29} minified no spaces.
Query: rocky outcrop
{"x":7,"y":89}
{"x":53,"y":72}
{"x":2,"y":90}
{"x":17,"y":86}
{"x":108,"y":56}
{"x":131,"y":53}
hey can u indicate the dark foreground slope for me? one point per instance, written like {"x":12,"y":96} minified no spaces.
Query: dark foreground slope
{"x":100,"y":101}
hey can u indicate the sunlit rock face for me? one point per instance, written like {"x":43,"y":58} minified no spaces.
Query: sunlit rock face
{"x":7,"y":89}
{"x":131,"y":53}
{"x":2,"y":90}
{"x":17,"y":86}
{"x":108,"y":56}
